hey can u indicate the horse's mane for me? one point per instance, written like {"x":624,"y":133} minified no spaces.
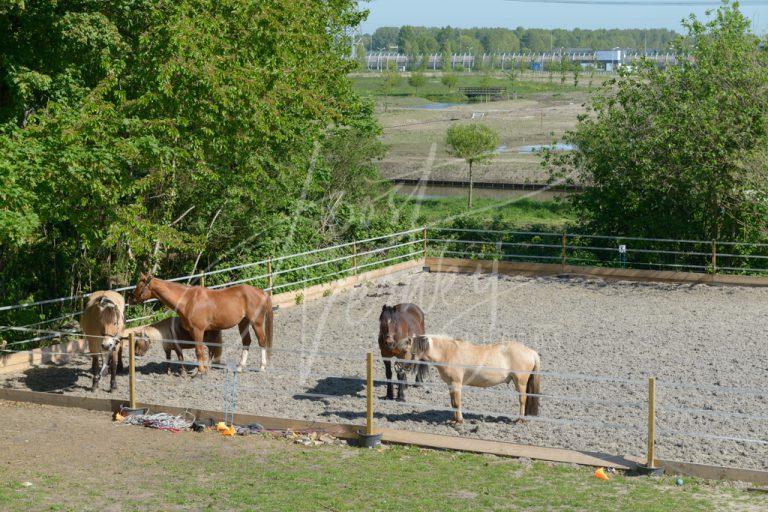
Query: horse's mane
{"x":109,"y":312}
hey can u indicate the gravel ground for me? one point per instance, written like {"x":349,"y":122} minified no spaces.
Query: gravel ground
{"x":694,"y":335}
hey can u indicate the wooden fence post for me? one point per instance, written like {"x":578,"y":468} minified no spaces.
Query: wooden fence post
{"x":132,"y":370}
{"x":651,"y":458}
{"x":714,"y":257}
{"x":424,"y":243}
{"x":354,"y":258}
{"x":270,"y":281}
{"x":563,"y":255}
{"x":369,"y":395}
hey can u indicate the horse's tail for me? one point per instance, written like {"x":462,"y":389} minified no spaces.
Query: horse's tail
{"x":268,"y":317}
{"x":533,"y":388}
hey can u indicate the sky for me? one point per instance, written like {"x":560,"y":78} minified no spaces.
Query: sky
{"x":510,"y":14}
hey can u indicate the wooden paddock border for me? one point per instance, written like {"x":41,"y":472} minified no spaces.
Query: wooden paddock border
{"x":403,"y":437}
{"x":63,"y":352}
{"x":460,"y":265}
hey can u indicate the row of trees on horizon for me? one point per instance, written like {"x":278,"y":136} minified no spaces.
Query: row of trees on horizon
{"x":417,"y":40}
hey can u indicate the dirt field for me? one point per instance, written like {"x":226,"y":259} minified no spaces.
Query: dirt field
{"x":416,"y":137}
{"x":686,"y":334}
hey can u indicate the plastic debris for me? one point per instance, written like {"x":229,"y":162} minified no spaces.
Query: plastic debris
{"x":311,"y":438}
{"x":679,"y":481}
{"x":27,"y":484}
{"x":160,"y":421}
{"x":600,"y":473}
{"x":225,"y":430}
{"x":253,"y":428}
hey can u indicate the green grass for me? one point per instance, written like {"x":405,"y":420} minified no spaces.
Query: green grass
{"x":511,"y":213}
{"x":273,"y":475}
{"x":434,"y":90}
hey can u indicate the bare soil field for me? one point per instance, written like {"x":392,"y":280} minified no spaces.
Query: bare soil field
{"x":694,"y":336}
{"x":416,"y":137}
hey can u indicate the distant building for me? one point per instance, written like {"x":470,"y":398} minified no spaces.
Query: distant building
{"x":611,"y":59}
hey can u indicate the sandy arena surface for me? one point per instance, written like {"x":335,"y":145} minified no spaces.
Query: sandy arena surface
{"x":694,"y":335}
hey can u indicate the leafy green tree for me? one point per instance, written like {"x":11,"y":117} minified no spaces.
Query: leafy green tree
{"x":679,"y":152}
{"x":142,"y":133}
{"x":449,"y":80}
{"x":475,"y":143}
{"x":390,"y":80}
{"x":417,"y":81}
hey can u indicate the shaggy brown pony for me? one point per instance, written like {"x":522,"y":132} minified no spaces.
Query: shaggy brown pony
{"x":396,"y":323}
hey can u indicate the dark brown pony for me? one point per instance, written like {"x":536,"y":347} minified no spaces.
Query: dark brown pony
{"x":201,"y":309}
{"x":396,"y":323}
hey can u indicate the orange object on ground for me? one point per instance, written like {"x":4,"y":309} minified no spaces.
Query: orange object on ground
{"x":600,"y":473}
{"x":225,"y":430}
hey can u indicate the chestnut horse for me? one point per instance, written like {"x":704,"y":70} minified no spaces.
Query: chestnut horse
{"x":201,"y":309}
{"x":102,"y":324}
{"x":396,"y":323}
{"x":482,"y":366}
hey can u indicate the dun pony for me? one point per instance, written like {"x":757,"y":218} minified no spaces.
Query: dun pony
{"x":464,"y":363}
{"x":173,"y":336}
{"x":102,"y":322}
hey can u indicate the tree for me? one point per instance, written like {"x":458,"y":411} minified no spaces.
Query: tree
{"x":390,"y":80}
{"x":511,"y":77}
{"x":679,"y":152}
{"x":417,"y":80}
{"x":129,"y":127}
{"x":385,"y":38}
{"x":450,"y":80}
{"x":475,"y":143}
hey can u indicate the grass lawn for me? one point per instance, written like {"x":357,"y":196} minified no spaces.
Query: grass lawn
{"x":371,"y":85}
{"x":291,"y":477}
{"x":64,"y":459}
{"x":513,"y":213}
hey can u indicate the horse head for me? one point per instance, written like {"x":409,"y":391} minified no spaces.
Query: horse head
{"x":388,"y":326}
{"x":142,"y":340}
{"x":142,"y":292}
{"x":414,"y":347}
{"x":111,"y":319}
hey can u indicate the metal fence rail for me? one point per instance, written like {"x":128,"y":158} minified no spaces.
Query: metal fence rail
{"x":602,"y":251}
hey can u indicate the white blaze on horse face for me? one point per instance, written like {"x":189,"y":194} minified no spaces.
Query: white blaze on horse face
{"x":109,"y":343}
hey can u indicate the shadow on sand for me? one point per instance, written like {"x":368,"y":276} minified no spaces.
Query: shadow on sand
{"x":54,"y":379}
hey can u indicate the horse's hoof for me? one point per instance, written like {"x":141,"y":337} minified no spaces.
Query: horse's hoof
{"x":239,"y":369}
{"x":519,"y":421}
{"x":400,"y":399}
